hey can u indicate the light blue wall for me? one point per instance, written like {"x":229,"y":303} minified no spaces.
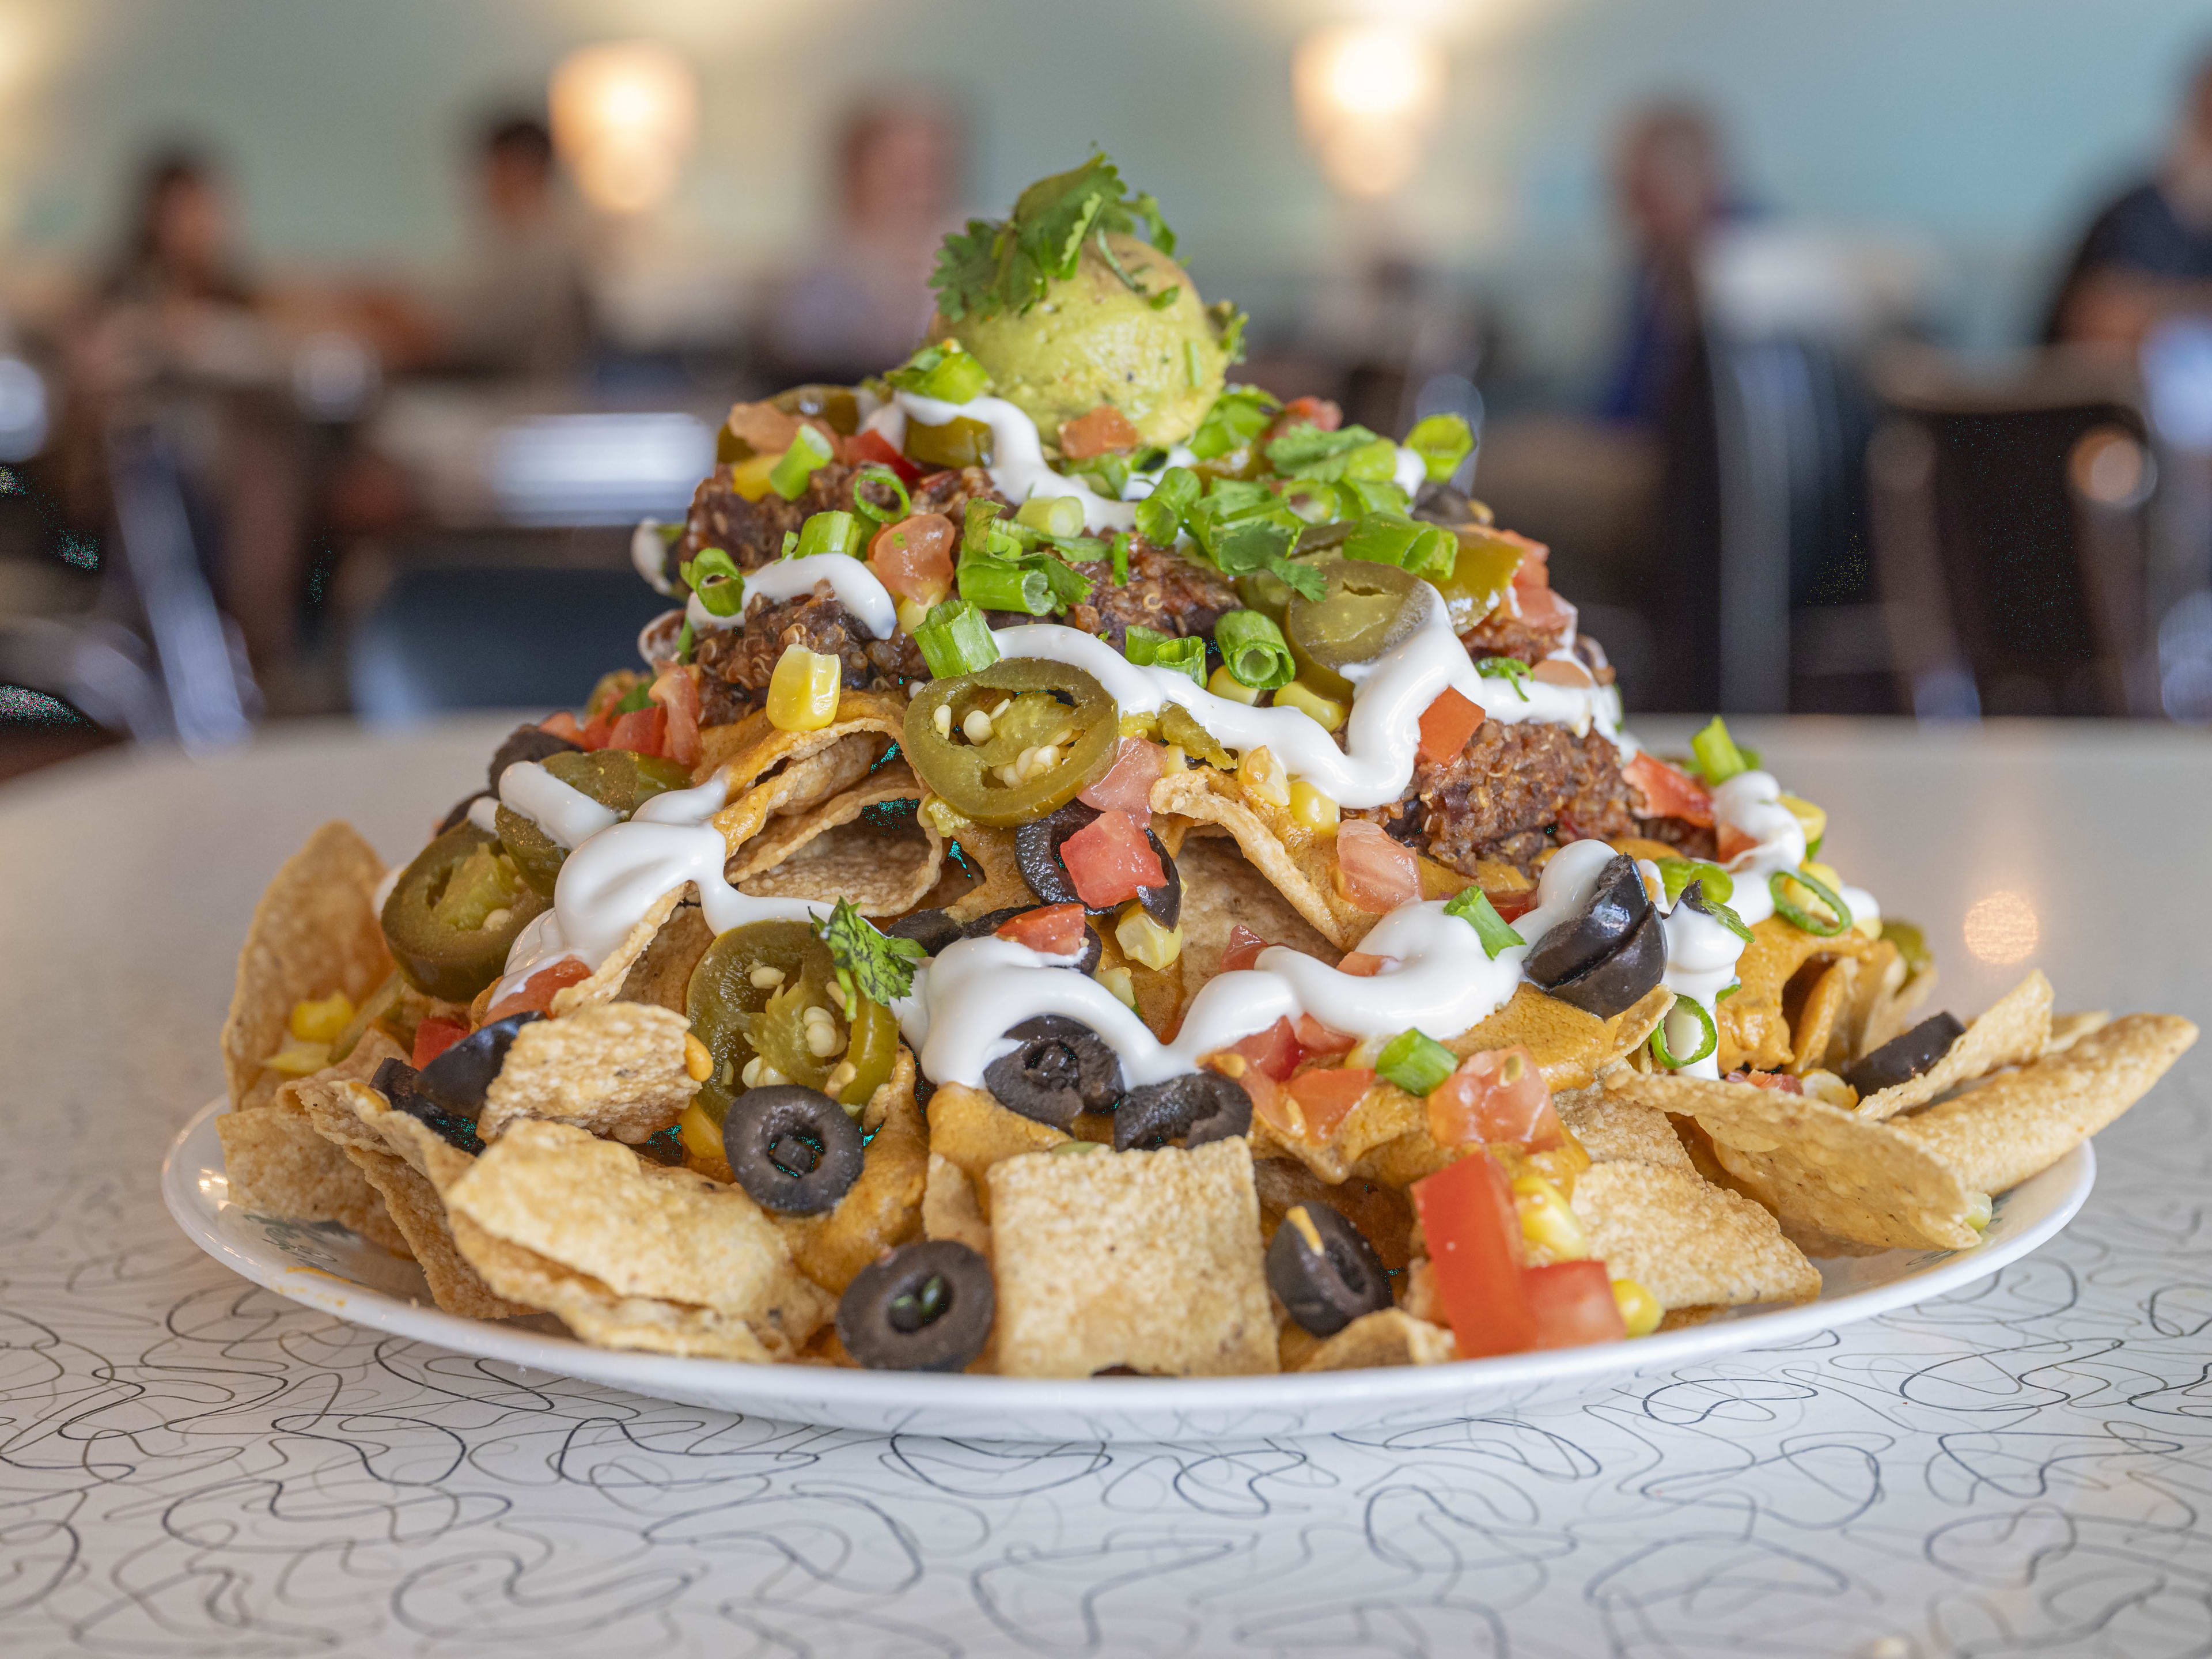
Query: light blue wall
{"x":1981,"y":127}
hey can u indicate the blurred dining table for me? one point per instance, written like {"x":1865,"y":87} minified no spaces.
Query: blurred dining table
{"x":189,"y":1465}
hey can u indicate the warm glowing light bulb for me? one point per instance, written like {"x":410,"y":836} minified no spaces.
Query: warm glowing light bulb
{"x":2002,"y":929}
{"x":1366,"y":93}
{"x":624,"y":114}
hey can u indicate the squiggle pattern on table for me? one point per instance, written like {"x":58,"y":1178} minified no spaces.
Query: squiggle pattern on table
{"x":190,"y":1465}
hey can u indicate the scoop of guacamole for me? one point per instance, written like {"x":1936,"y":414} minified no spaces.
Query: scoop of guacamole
{"x":1092,"y":339}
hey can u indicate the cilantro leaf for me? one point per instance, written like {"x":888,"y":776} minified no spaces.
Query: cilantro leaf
{"x":879,"y":966}
{"x":1009,"y":265}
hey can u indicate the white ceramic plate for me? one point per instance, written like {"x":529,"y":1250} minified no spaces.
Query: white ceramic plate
{"x":327,"y":1267}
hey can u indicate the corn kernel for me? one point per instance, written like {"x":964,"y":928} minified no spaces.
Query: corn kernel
{"x":1639,"y":1309}
{"x":1979,"y":1210}
{"x":1546,"y":1222}
{"x":748,"y":479}
{"x":700,"y":1138}
{"x":1172,"y":759}
{"x":297,"y":1059}
{"x":698,"y":1063}
{"x":324,"y":1021}
{"x":1223,"y":684}
{"x":1826,"y":1086}
{"x":1302,"y":697}
{"x":911,"y":613}
{"x":1144,"y":940}
{"x":1260,"y":775}
{"x":1122,"y":984}
{"x":1313,"y":809}
{"x":802,"y":693}
{"x":1812,"y":819}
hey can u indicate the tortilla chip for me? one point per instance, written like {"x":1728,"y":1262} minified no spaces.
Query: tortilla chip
{"x":883,"y":1208}
{"x":2067,"y":1030}
{"x":1148,"y":1260}
{"x":1690,"y":1244}
{"x":950,"y":1209}
{"x":1222,"y":891}
{"x":1384,"y":1215}
{"x":1682,"y":1319}
{"x":279,"y":1166}
{"x":1817,"y":1165}
{"x":1389,"y":1336}
{"x":1754,"y":1031}
{"x":992,"y":853}
{"x":1297,"y":862}
{"x":614,"y":1068}
{"x":607,"y":981}
{"x":315,"y":931}
{"x":2013,"y":1031}
{"x":1896,"y":1011}
{"x":970,"y":1129}
{"x":662,"y":973}
{"x":893,"y":781}
{"x":1812,"y":1029}
{"x":1613,"y":1129}
{"x":884,"y":869}
{"x":773,"y":772}
{"x":641,"y":1232}
{"x":1881,"y":975}
{"x":2019,"y":1124}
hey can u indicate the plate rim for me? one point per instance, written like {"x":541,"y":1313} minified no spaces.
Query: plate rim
{"x":793,"y":1387}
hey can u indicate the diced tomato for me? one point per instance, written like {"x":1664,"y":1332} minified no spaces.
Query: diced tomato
{"x":1326,"y":1095}
{"x":1109,"y":860}
{"x":642,"y":731}
{"x":1512,"y":904}
{"x":598,"y":732}
{"x":1272,"y":1105}
{"x":1496,"y":1096}
{"x":1732,"y":842}
{"x":1054,"y":929}
{"x":1573,"y":1305}
{"x":873,"y":449}
{"x":914,"y":557}
{"x":1126,"y":785}
{"x":1316,"y":1038}
{"x":1244,"y":948}
{"x":1374,"y":870}
{"x":1101,"y":432}
{"x":1473,"y":1238}
{"x":1541,"y":607}
{"x":563,"y":725}
{"x":1317,"y":412}
{"x":1447,"y":724}
{"x":677,"y":690}
{"x":433,"y":1038}
{"x":1782,"y":1081}
{"x":1361,"y":965}
{"x":1274,"y":1051}
{"x":538,"y":991}
{"x":1669,"y":791}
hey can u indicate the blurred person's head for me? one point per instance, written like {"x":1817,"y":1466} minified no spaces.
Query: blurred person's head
{"x":515,"y":163}
{"x":899,"y":163}
{"x":1669,"y":181}
{"x":181,"y":227}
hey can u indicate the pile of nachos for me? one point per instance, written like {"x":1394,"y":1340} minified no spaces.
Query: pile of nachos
{"x":1100,"y":870}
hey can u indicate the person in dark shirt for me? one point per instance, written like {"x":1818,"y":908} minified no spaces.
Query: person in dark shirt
{"x":2149,"y":254}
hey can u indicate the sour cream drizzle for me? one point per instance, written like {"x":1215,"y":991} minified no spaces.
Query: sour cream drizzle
{"x":1018,"y":467}
{"x":853,"y":582}
{"x":567,"y":815}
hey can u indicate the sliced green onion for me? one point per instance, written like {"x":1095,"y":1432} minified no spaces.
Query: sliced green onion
{"x":1000,"y":585}
{"x":808,"y":454}
{"x":1253,"y":650}
{"x":1442,"y":441}
{"x":1149,"y":648}
{"x":1424,"y":549}
{"x":829,"y":532}
{"x":954,"y":639}
{"x":1194,"y":366}
{"x":1160,"y":515}
{"x":1121,"y":556}
{"x":713,"y":576}
{"x":1796,"y":915}
{"x":1718,"y":759}
{"x":1376,"y":496}
{"x":1678,"y":873}
{"x":983,"y":533}
{"x":1055,"y":515}
{"x":1506,"y":668}
{"x":945,"y":372}
{"x":1472,"y":906}
{"x":1416,"y":1061}
{"x":684,"y":641}
{"x":883,"y":478}
{"x":1709,"y":1036}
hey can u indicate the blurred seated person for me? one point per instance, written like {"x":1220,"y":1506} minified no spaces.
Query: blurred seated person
{"x":860,"y":300}
{"x":175,"y":332}
{"x":2149,"y":254}
{"x":522,"y":306}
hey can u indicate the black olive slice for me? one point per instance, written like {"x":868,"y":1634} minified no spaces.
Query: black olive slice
{"x":925,"y":1306}
{"x":791,"y":1149}
{"x":1617,"y":904}
{"x":1329,"y":1279}
{"x":1439,"y":503}
{"x":1903,"y":1058}
{"x":1037,"y":851}
{"x":1163,"y":903}
{"x":1618,"y":981}
{"x":1063,"y":1068}
{"x":1194,"y":1108}
{"x":933,"y":930}
{"x":526,"y":743}
{"x":458,"y":1078}
{"x":400,"y":1085}
{"x":1093,"y":945}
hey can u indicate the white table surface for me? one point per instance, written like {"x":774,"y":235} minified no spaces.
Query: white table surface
{"x":190,"y":1465}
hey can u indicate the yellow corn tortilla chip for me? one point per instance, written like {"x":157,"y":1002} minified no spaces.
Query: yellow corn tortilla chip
{"x":949,"y":1208}
{"x":1147,"y":1260}
{"x":1754,"y":1031}
{"x":970,"y":1129}
{"x":893,"y":781}
{"x":280,"y":1164}
{"x":883,"y":1208}
{"x":314,"y":932}
{"x":2020,"y":1123}
{"x":2067,"y":1030}
{"x":1389,"y":1336}
{"x":884,"y":869}
{"x":1881,"y":975}
{"x":2013,"y":1031}
{"x":992,"y":853}
{"x":1384,"y":1215}
{"x":1825,"y":1000}
{"x":643,"y":1231}
{"x":1689,"y":1243}
{"x":1816,"y":1165}
{"x":1896,"y":1011}
{"x":1221,"y":890}
{"x":1294,"y":860}
{"x":1613,"y":1128}
{"x":773,"y":773}
{"x":614,"y":1068}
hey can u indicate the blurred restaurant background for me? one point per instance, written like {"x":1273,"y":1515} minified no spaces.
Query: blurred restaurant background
{"x":1850,"y":358}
